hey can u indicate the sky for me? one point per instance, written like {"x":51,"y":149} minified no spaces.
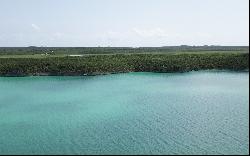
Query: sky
{"x":123,"y":23}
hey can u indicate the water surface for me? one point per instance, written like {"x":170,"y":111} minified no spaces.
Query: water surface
{"x":135,"y":113}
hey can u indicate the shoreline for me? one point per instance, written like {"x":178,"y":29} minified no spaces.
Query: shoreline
{"x":114,"y":73}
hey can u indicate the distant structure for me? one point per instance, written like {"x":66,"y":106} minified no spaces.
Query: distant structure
{"x":76,"y":55}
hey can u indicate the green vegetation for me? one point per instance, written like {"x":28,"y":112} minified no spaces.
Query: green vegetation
{"x":119,"y":63}
{"x":117,"y":50}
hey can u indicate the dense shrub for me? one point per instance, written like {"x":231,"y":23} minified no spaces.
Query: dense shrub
{"x":103,"y":64}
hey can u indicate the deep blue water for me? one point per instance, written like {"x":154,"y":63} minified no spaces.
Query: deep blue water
{"x":204,"y":112}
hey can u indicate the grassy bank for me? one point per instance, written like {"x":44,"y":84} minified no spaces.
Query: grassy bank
{"x":119,"y":63}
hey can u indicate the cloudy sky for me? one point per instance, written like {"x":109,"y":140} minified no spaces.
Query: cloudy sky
{"x":123,"y":22}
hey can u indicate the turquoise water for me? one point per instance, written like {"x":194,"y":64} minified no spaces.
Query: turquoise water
{"x":135,"y":113}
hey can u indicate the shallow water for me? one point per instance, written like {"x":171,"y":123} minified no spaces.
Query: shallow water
{"x":135,"y":113}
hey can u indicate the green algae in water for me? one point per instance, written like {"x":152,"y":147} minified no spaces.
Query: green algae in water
{"x":135,"y":113}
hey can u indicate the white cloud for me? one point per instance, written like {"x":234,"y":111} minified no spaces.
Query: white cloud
{"x":135,"y":33}
{"x":154,"y":36}
{"x":111,"y":34}
{"x":58,"y":35}
{"x":203,"y":35}
{"x":35,"y":27}
{"x":154,"y":32}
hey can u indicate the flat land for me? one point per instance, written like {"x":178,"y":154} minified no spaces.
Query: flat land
{"x":96,"y":61}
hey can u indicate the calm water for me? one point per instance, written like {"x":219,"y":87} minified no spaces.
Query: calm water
{"x":136,"y":113}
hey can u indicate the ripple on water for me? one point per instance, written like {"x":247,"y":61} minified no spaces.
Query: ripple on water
{"x":134,"y":113}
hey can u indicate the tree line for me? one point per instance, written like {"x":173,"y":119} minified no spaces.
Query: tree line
{"x":119,"y":63}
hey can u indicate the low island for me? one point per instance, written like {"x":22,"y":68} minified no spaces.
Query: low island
{"x":39,"y":61}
